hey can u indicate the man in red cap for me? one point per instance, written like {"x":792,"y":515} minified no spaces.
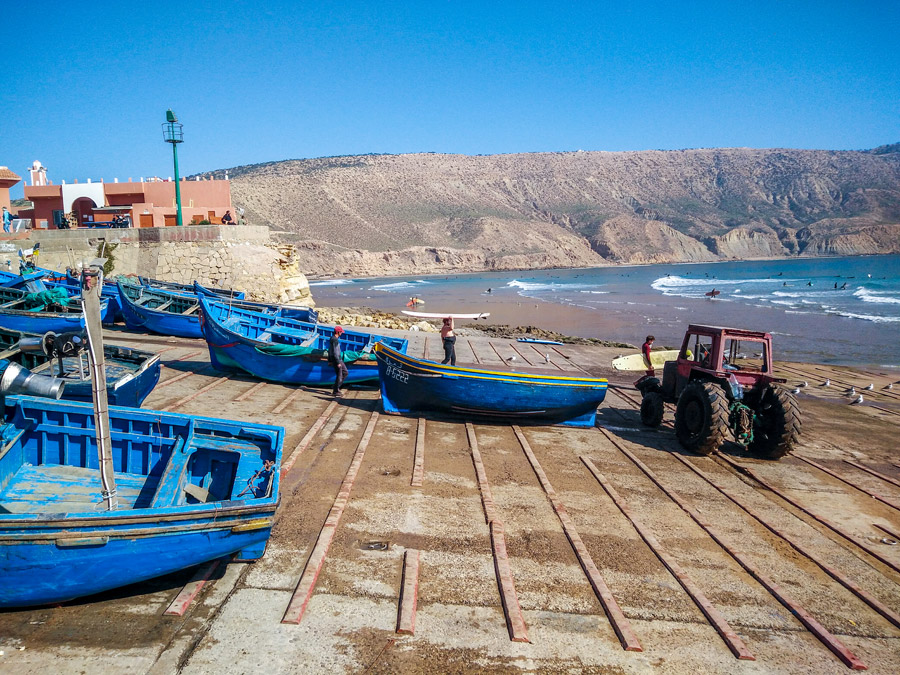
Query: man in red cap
{"x":335,"y":358}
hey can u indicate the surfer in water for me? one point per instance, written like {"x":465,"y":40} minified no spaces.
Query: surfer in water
{"x":645,"y":350}
{"x":449,"y":339}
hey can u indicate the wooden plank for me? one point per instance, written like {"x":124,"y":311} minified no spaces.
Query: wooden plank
{"x":851,"y":483}
{"x":303,"y":593}
{"x":173,"y":380}
{"x":197,"y":393}
{"x":818,"y":630}
{"x":287,"y":401}
{"x":841,"y":578}
{"x":873,"y":472}
{"x":409,"y":592}
{"x":614,"y":613}
{"x":515,"y":621}
{"x":252,"y":390}
{"x":732,"y":641}
{"x":740,"y":468}
{"x":487,"y":500}
{"x":307,"y":438}
{"x":419,"y":462}
{"x":191,"y":589}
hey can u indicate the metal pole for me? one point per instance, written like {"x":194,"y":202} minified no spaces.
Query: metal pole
{"x":179,"y":222}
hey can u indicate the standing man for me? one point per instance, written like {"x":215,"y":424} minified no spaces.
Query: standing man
{"x":645,"y":350}
{"x":336,"y":359}
{"x":7,"y":219}
{"x":449,"y":338}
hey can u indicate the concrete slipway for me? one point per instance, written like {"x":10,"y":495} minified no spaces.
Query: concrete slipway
{"x":563,"y":578}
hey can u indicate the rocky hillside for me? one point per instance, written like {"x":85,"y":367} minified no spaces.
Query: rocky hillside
{"x":393,"y":214}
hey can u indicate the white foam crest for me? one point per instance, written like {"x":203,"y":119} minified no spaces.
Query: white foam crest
{"x":866,"y":295}
{"x":400,"y":285}
{"x":331,"y":282}
{"x":673,"y":283}
{"x":867,"y":317}
{"x":534,"y":286}
{"x":596,"y":292}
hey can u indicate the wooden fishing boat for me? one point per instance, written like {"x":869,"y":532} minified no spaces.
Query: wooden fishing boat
{"x":410,"y":385}
{"x":41,"y":312}
{"x":43,"y":278}
{"x":298,"y":312}
{"x":284,"y":350}
{"x":158,"y":311}
{"x":219,"y":293}
{"x":190,"y":489}
{"x":131,"y":374}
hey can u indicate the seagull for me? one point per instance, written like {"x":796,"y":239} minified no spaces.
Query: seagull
{"x":857,"y":400}
{"x":512,"y":358}
{"x":804,"y":383}
{"x":870,"y":387}
{"x":796,"y":391}
{"x":547,"y":357}
{"x":851,"y":391}
{"x":891,"y":385}
{"x":826,"y":383}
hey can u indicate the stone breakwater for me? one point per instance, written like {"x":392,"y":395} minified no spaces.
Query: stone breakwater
{"x":239,"y":257}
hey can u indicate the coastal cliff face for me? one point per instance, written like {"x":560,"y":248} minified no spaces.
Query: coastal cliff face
{"x":393,"y":214}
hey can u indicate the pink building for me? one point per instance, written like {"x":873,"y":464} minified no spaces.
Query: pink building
{"x":148,"y":203}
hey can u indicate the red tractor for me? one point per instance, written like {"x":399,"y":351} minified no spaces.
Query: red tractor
{"x":722,"y":380}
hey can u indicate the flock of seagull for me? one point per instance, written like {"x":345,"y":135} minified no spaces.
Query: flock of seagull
{"x":849,"y":392}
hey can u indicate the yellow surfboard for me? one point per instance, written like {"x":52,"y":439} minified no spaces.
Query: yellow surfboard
{"x":636,"y":361}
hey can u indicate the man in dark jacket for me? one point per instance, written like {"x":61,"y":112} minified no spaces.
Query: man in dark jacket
{"x":335,"y":358}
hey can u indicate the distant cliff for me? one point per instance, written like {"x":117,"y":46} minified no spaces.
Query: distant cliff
{"x":392,"y":214}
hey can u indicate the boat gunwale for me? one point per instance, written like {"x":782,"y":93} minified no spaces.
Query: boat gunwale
{"x":432,"y":367}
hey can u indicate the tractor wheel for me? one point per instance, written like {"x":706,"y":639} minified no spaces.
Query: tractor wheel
{"x":701,"y":417}
{"x":652,"y":409}
{"x":777,"y":424}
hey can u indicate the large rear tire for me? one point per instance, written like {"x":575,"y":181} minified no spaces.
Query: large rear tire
{"x":778,"y":425}
{"x":701,"y":417}
{"x":652,"y":409}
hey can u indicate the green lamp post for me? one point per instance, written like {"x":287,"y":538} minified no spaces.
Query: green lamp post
{"x":172,"y":133}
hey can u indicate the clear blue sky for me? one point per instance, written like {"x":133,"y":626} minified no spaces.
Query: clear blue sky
{"x":85,"y":86}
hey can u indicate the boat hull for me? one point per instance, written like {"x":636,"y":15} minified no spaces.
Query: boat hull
{"x":410,"y":385}
{"x":230,"y":350}
{"x":187,"y":492}
{"x":145,"y":318}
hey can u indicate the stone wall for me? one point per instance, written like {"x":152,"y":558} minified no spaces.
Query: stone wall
{"x":239,"y":257}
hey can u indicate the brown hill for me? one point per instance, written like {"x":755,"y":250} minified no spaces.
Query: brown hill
{"x":383,"y":214}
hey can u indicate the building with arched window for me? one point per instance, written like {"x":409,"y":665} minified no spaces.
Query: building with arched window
{"x":144,"y":203}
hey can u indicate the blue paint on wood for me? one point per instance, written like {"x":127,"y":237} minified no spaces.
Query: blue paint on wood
{"x":234,"y":336}
{"x":410,"y":385}
{"x":56,"y":545}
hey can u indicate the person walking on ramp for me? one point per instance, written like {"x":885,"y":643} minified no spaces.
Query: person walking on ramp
{"x":449,"y":339}
{"x":336,"y":359}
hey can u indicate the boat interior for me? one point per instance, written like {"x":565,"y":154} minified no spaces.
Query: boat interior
{"x":49,"y":462}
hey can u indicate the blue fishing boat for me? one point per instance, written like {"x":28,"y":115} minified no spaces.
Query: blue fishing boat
{"x":298,"y":312}
{"x":48,"y":278}
{"x":131,"y":374}
{"x":218,"y":293}
{"x":41,"y":312}
{"x":158,"y":311}
{"x":189,"y":489}
{"x":410,"y":385}
{"x":284,"y":350}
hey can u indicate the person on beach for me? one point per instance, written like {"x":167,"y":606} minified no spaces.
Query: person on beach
{"x":227,"y":219}
{"x":336,"y":360}
{"x":645,"y":350}
{"x":449,"y":339}
{"x":7,"y":219}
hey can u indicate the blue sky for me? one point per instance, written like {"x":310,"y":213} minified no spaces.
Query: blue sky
{"x":85,"y":86}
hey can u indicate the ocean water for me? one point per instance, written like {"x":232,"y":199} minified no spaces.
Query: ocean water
{"x":825,"y":310}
